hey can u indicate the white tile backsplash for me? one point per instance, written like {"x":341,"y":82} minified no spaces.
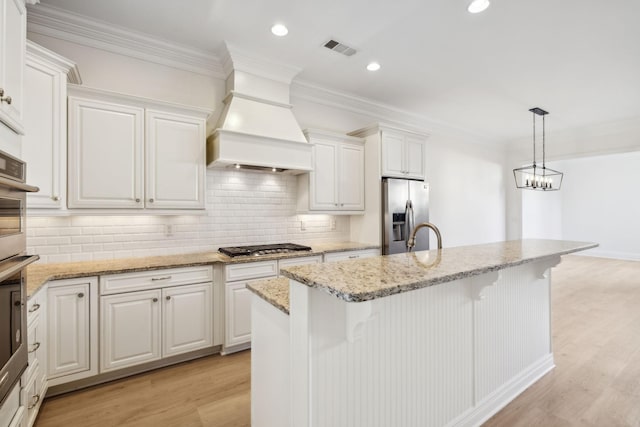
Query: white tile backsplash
{"x":242,"y":208}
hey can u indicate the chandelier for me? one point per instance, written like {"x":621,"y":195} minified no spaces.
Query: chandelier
{"x":534,"y":177}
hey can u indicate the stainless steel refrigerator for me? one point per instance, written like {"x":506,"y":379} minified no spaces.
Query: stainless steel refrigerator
{"x":405,"y":203}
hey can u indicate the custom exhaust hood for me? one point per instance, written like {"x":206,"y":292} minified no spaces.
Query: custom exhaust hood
{"x":257,"y":129}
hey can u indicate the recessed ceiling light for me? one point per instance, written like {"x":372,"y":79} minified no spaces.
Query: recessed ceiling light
{"x":279,"y":30}
{"x":477,"y":6}
{"x":373,"y":66}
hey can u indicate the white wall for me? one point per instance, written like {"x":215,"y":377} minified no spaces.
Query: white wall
{"x":542,"y":213}
{"x":467,"y":184}
{"x":467,"y":196}
{"x":600,"y":203}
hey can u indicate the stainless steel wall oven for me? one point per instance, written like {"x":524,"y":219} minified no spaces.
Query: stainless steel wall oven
{"x":13,"y":264}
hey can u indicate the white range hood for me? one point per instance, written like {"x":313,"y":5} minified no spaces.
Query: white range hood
{"x":257,"y":128}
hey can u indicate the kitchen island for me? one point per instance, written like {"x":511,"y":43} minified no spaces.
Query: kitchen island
{"x":430,"y":338}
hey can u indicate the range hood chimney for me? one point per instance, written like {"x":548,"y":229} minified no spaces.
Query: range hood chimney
{"x":257,"y":129}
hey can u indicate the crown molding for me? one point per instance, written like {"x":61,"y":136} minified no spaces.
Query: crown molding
{"x":60,"y":24}
{"x":236,"y":59}
{"x":390,"y":116}
{"x":35,"y":52}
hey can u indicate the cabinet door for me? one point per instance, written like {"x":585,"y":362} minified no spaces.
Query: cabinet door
{"x":175,"y":165}
{"x":13,"y":36}
{"x":130,"y":329}
{"x":323,"y":184}
{"x":393,"y":155}
{"x":238,"y":314}
{"x":187,"y":318}
{"x":45,"y":122}
{"x":69,"y":329}
{"x":415,"y":157}
{"x":351,"y":177}
{"x":105,"y":154}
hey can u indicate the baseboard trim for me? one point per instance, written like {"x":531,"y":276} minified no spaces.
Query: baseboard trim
{"x":497,"y":400}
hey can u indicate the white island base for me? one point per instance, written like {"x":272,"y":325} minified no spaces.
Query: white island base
{"x":451,"y":354}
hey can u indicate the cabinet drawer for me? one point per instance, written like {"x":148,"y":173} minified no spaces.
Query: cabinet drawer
{"x":290,"y":262}
{"x":341,"y":256}
{"x":251,"y":270}
{"x":154,"y":279}
{"x":35,"y":304}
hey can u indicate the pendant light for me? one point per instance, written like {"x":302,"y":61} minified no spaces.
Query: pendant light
{"x":534,"y":177}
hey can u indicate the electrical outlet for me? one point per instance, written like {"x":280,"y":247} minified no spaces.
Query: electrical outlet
{"x":332,"y":224}
{"x":303,"y":226}
{"x":168,"y":230}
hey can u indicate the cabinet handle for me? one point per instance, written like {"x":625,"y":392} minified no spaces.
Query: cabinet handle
{"x":36,"y":346}
{"x":137,"y":200}
{"x":3,"y":98}
{"x":55,"y":198}
{"x":168,"y":297}
{"x":341,"y":204}
{"x":155,"y":300}
{"x":34,"y":307}
{"x":81,"y":295}
{"x":36,"y":400}
{"x":161,"y":278}
{"x":150,"y":200}
{"x":353,"y":256}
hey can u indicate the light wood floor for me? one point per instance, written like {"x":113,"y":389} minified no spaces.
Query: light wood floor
{"x":596,"y":382}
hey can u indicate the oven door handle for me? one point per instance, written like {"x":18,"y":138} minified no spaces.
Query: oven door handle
{"x":18,"y":185}
{"x":26,"y":260}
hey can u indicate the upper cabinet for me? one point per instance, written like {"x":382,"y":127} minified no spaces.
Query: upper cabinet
{"x":132,"y":153}
{"x":403,"y":155}
{"x":336,"y":183}
{"x":13,"y":34}
{"x":45,"y":121}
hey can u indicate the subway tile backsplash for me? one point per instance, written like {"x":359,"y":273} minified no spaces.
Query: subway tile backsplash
{"x":242,"y":208}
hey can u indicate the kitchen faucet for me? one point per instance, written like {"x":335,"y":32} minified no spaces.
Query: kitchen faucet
{"x":412,"y":239}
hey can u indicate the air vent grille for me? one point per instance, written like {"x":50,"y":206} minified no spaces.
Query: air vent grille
{"x":340,"y":48}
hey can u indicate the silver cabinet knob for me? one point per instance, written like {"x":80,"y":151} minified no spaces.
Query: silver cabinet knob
{"x":168,"y":297}
{"x":150,"y":200}
{"x":155,"y":300}
{"x":55,"y":198}
{"x":80,"y":295}
{"x":137,"y":200}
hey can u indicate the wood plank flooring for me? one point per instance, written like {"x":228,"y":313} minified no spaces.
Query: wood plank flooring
{"x":596,"y":382}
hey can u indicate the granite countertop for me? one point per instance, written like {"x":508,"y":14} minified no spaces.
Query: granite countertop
{"x":370,"y":278}
{"x":274,"y":291}
{"x":39,"y":274}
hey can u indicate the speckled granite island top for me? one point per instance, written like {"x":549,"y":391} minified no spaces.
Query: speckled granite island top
{"x":274,"y":291}
{"x":377,"y":277}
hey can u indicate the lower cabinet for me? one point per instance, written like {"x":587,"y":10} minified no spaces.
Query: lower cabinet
{"x":12,"y":410}
{"x":72,"y":329}
{"x":147,"y":325}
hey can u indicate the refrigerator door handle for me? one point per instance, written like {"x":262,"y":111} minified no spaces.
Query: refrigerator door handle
{"x":409,"y":221}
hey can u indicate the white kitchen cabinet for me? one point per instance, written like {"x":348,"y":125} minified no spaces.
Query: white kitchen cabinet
{"x":130,"y":329}
{"x":36,"y":374}
{"x":336,"y":183}
{"x":132,"y":153}
{"x":403,"y":155}
{"x":187,"y":318}
{"x":172,"y":309}
{"x":346,"y":255}
{"x":106,"y":165}
{"x":13,"y":36}
{"x":238,"y":314}
{"x":44,"y":145}
{"x":175,"y":161}
{"x":304,"y":260}
{"x":72,"y":329}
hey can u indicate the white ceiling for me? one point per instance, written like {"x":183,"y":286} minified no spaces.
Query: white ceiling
{"x":578,"y":59}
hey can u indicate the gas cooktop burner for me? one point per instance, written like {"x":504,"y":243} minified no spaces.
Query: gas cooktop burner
{"x":258,"y":250}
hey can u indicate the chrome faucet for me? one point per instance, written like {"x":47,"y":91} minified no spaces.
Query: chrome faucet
{"x":412,"y":239}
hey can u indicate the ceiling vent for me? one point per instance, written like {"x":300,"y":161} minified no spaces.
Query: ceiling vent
{"x":340,"y":48}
